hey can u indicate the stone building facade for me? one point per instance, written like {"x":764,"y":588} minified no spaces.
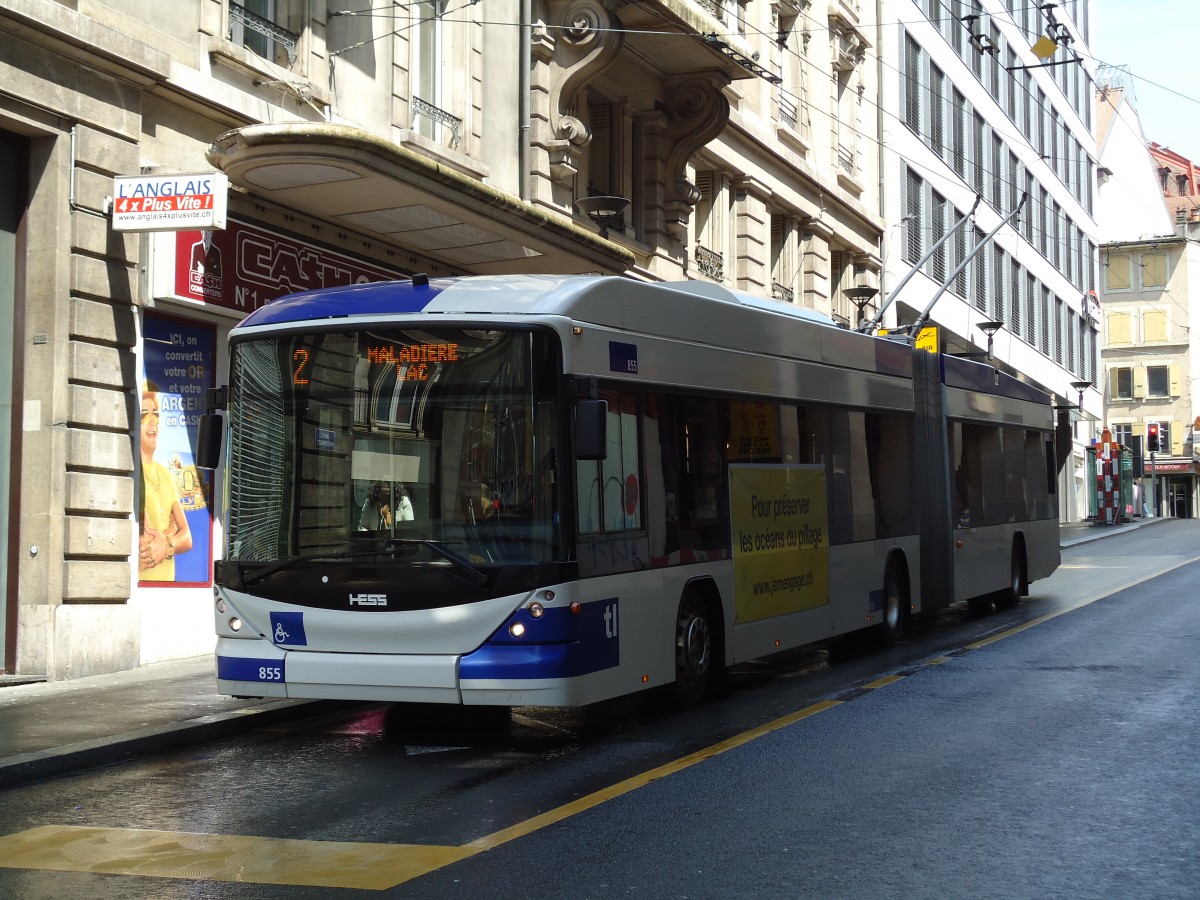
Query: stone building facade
{"x":437,"y":138}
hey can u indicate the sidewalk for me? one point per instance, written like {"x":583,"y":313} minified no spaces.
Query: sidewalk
{"x":52,"y":728}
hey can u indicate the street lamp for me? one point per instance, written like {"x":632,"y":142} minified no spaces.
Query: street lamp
{"x":860,"y":297}
{"x":989,"y":328}
{"x":604,"y":211}
{"x":1080,"y":387}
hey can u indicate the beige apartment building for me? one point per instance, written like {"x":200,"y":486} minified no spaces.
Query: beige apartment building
{"x":729,"y":140}
{"x":1151,"y":358}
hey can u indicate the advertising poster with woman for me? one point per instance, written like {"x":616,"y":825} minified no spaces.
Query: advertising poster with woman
{"x":174,"y":508}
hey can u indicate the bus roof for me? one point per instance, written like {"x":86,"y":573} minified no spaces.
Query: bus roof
{"x":698,"y":311}
{"x":572,"y":296}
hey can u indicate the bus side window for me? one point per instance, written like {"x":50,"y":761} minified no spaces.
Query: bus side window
{"x":610,"y":489}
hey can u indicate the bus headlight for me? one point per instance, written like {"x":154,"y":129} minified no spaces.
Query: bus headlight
{"x":517,"y":629}
{"x":536,"y":609}
{"x":221,"y":606}
{"x":235,"y":624}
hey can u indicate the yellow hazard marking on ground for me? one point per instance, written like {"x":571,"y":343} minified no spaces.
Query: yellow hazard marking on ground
{"x":254,"y":860}
{"x":631,"y":784}
{"x":884,"y":681}
{"x":1017,"y":629}
{"x":222,"y":857}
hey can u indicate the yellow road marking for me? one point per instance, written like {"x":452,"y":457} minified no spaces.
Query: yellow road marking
{"x":631,"y":784}
{"x":222,"y":857}
{"x":254,"y":860}
{"x":884,"y":681}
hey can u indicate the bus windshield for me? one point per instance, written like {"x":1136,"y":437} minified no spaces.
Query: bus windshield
{"x":402,"y":445}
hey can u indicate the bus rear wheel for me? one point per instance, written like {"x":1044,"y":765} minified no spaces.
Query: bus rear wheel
{"x":1017,"y":588}
{"x":694,"y":646}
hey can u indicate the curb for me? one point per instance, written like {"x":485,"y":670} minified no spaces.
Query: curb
{"x":1108,"y":531}
{"x":28,"y":767}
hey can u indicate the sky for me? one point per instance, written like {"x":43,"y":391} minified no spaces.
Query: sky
{"x":1155,"y":39}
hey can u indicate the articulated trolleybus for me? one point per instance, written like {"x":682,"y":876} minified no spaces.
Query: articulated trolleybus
{"x":545,"y":490}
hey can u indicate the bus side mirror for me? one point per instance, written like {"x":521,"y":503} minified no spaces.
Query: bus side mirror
{"x":591,"y":429}
{"x":211,"y":431}
{"x":209,"y":437}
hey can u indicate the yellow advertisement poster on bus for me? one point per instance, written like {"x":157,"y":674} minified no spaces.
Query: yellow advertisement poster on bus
{"x":780,"y":539}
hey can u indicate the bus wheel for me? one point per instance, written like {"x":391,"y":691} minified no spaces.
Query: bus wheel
{"x":693,"y":651}
{"x":895,"y":600}
{"x":1016,"y":581}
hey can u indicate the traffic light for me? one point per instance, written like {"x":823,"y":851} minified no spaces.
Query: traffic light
{"x":1152,"y":443}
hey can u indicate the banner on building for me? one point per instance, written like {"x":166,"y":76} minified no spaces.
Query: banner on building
{"x":170,"y":202}
{"x":175,"y":502}
{"x":244,"y":266}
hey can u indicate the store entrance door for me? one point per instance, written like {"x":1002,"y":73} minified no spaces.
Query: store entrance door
{"x":12,"y":200}
{"x":1180,"y":498}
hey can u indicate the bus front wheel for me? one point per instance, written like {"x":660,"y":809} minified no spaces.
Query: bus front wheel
{"x":694,"y":646}
{"x":895,"y":603}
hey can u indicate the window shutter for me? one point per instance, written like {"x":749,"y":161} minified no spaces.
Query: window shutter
{"x":1116,"y":273}
{"x":1139,"y":382}
{"x":1154,"y":325}
{"x":1117,"y":325}
{"x":1176,"y":387}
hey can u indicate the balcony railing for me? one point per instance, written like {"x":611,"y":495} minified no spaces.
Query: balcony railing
{"x":782,"y":292}
{"x":787,"y":113}
{"x":711,"y":263}
{"x":847,"y":161}
{"x":441,"y":117}
{"x":250,"y":21}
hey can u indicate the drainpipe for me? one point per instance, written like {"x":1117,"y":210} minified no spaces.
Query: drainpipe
{"x":524,"y":61}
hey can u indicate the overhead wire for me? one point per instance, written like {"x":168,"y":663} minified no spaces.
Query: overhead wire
{"x":1011,"y":138}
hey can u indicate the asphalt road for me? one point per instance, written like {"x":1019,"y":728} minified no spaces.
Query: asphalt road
{"x":1045,"y":752}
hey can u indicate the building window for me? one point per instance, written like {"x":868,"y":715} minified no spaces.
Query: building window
{"x":783,"y":259}
{"x":1116,"y":273}
{"x":428,"y":64}
{"x":1154,"y":270}
{"x":713,"y":220}
{"x":913,"y":208}
{"x":1158,"y":381}
{"x":937,"y":107}
{"x":1120,"y":383}
{"x":794,"y":111}
{"x":912,"y":83}
{"x":958,"y":133}
{"x":937,"y":263}
{"x":254,"y":24}
{"x":1154,"y":326}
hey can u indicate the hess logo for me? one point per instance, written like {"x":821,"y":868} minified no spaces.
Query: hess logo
{"x":368,"y":599}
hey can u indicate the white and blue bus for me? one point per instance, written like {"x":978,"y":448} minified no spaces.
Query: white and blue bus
{"x":555,"y":490}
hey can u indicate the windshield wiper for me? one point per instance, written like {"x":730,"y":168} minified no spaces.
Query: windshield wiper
{"x":467,"y":572}
{"x":271,"y":568}
{"x":462,"y":568}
